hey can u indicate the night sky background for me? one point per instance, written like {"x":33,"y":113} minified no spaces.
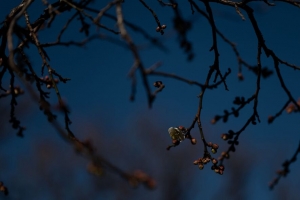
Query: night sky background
{"x":129,"y":134}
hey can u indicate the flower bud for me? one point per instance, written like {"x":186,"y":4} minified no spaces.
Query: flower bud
{"x":270,"y":119}
{"x":175,"y":142}
{"x":224,"y":136}
{"x":215,"y":146}
{"x":225,"y":155}
{"x":193,"y":141}
{"x":214,"y":150}
{"x":221,"y":167}
{"x":157,"y":84}
{"x":201,"y":166}
{"x":240,"y":76}
{"x":205,"y":160}
{"x":214,"y":161}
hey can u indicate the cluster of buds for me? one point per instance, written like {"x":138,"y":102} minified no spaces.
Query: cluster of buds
{"x":224,"y":155}
{"x":206,"y":159}
{"x":157,"y":84}
{"x":202,"y":161}
{"x":219,"y":169}
{"x":49,"y":82}
{"x":214,"y":147}
{"x":141,"y":177}
{"x":161,"y":28}
{"x":229,"y":135}
{"x":16,"y":90}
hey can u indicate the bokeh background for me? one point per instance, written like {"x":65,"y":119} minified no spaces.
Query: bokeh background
{"x":129,"y":134}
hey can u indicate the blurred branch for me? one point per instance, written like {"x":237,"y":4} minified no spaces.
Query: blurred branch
{"x":15,"y":63}
{"x":137,"y":63}
{"x":89,"y":16}
{"x":173,"y":5}
{"x":155,"y":41}
{"x":286,"y":169}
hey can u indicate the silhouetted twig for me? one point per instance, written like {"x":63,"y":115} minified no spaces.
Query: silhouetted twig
{"x":286,"y":169}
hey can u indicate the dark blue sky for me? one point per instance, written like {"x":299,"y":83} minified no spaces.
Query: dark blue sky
{"x":134,"y":136}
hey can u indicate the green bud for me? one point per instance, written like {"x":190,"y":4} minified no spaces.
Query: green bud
{"x":214,"y":151}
